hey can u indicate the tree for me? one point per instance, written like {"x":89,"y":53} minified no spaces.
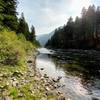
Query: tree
{"x":23,"y":27}
{"x":83,"y":25}
{"x":98,"y":22}
{"x":91,"y":21}
{"x":1,"y":12}
{"x":81,"y":33}
{"x":32,"y":34}
{"x":77,"y":28}
{"x":10,"y":14}
{"x":70,"y":27}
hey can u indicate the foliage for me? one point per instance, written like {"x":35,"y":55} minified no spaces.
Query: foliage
{"x":8,"y":14}
{"x":23,"y":26}
{"x":32,"y":34}
{"x":13,"y":48}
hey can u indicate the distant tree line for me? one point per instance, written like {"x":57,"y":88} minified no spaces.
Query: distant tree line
{"x":83,"y":33}
{"x":9,"y":19}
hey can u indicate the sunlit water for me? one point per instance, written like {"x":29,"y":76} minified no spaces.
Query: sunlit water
{"x":72,"y":86}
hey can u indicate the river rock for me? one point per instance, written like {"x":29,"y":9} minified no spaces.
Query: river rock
{"x":20,"y":95}
{"x":61,"y":98}
{"x":59,"y":77}
{"x":41,"y":68}
{"x":59,"y":92}
{"x":6,"y":98}
{"x":15,"y":83}
{"x":1,"y":75}
{"x":49,"y":93}
{"x":45,"y":76}
{"x":47,"y":88}
{"x":29,"y":61}
{"x":94,"y":98}
{"x":56,"y":80}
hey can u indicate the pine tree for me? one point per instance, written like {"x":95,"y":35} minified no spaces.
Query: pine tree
{"x":91,"y":21}
{"x":23,"y":27}
{"x":1,"y":12}
{"x":98,"y":22}
{"x":10,"y":14}
{"x":32,"y":34}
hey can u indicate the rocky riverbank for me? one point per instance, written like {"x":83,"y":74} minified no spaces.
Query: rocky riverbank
{"x":29,"y":84}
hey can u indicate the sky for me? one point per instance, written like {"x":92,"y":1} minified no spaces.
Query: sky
{"x":46,"y":15}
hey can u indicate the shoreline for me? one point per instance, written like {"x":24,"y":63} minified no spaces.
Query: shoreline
{"x":49,"y":84}
{"x":27,"y":85}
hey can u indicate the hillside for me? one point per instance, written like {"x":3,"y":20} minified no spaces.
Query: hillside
{"x":44,"y":38}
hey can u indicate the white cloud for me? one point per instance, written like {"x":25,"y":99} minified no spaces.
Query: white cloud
{"x":47,"y":15}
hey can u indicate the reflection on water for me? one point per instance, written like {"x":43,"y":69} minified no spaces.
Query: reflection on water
{"x":79,"y":84}
{"x":44,"y":61}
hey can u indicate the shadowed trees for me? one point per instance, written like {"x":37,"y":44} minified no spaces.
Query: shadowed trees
{"x":83,"y":33}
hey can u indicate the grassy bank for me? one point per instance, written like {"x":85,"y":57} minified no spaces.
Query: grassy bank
{"x":19,"y":79}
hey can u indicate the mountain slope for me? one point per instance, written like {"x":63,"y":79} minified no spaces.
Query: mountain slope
{"x":44,"y":38}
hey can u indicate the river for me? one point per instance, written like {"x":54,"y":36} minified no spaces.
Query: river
{"x":76,"y":84}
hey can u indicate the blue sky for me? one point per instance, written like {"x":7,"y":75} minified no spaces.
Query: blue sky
{"x":46,"y":15}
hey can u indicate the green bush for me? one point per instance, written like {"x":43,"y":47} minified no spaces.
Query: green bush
{"x":13,"y":48}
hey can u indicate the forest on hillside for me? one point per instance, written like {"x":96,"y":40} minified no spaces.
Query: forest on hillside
{"x":9,"y":20}
{"x":83,"y":33}
{"x":14,"y":32}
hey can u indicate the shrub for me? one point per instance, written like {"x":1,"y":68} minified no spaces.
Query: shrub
{"x":12,"y":50}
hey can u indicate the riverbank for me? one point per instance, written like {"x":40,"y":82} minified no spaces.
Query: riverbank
{"x":29,"y":84}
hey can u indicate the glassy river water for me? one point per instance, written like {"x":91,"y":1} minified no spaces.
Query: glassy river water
{"x":77,"y":83}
